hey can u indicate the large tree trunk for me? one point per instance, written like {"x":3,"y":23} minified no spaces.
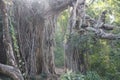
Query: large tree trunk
{"x":12,"y":70}
{"x":35,"y":28}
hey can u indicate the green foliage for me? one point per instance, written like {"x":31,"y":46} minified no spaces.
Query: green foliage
{"x":104,"y":55}
{"x":13,"y":36}
{"x":81,"y":41}
{"x":112,"y":7}
{"x":59,"y":37}
{"x":72,"y":76}
{"x":91,"y":75}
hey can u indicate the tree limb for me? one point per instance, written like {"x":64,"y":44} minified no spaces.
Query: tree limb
{"x":101,"y":34}
{"x":11,"y":71}
{"x":92,"y":21}
{"x":107,"y":27}
{"x":57,"y":6}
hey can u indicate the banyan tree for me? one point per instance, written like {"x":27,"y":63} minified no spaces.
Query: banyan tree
{"x":30,"y":49}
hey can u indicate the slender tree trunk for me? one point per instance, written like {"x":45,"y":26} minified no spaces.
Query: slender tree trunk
{"x":74,"y":57}
{"x":48,"y":45}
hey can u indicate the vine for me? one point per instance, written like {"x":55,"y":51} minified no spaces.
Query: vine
{"x":16,"y":48}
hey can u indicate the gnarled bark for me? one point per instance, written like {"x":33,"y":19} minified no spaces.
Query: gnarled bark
{"x":36,"y":27}
{"x":11,"y":71}
{"x":79,"y":24}
{"x":48,"y":45}
{"x":5,"y":69}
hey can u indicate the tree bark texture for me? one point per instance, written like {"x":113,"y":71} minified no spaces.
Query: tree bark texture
{"x":35,"y":26}
{"x":74,"y":58}
{"x":16,"y":74}
{"x":34,"y":23}
{"x":78,"y":26}
{"x":3,"y":57}
{"x":49,"y":44}
{"x":11,"y":71}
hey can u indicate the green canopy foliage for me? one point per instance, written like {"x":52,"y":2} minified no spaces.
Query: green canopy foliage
{"x":103,"y":54}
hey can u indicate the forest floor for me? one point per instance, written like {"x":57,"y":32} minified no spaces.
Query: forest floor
{"x":59,"y":72}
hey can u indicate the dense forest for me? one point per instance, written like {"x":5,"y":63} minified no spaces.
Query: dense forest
{"x":59,"y":40}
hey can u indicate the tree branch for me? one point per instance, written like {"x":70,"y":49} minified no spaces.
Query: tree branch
{"x":103,"y":26}
{"x":11,"y":71}
{"x":101,"y":34}
{"x":107,"y":27}
{"x":57,"y":6}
